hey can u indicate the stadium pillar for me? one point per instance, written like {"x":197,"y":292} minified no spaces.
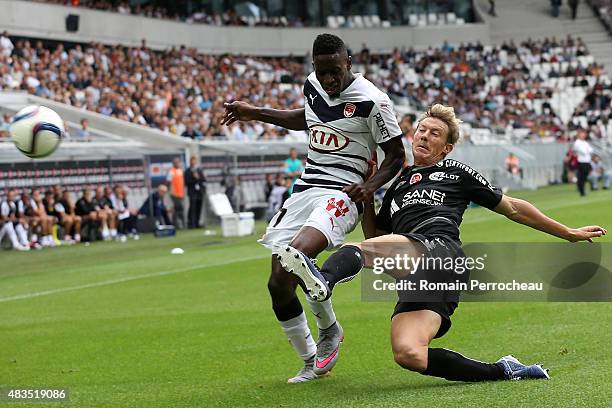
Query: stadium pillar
{"x":322,"y":13}
{"x":383,"y":10}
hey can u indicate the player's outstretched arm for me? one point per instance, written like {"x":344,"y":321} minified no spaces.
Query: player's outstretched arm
{"x":293,"y":119}
{"x":391,"y":165}
{"x":526,"y":213}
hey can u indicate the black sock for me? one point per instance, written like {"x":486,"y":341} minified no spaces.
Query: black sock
{"x":343,"y":265}
{"x":455,"y":367}
{"x":289,"y":310}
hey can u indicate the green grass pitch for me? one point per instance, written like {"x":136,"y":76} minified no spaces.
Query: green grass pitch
{"x":129,"y":325}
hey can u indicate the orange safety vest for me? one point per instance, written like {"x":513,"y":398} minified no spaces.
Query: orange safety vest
{"x":177,"y":183}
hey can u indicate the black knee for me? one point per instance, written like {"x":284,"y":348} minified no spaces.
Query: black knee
{"x":278,"y":287}
{"x":281,"y":285}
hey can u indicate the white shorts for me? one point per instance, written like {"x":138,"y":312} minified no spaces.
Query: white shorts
{"x":330,"y":211}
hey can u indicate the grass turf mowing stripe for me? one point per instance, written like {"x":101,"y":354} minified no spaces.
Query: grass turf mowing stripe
{"x":126,"y":279}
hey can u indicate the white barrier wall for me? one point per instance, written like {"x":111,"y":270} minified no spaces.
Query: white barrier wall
{"x":48,"y":21}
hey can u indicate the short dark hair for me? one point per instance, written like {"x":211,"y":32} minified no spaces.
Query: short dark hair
{"x":326,"y":44}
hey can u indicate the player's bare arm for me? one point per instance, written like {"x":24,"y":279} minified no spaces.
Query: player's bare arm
{"x":525,"y":213}
{"x":368,"y":222}
{"x":394,"y":157}
{"x":293,"y":119}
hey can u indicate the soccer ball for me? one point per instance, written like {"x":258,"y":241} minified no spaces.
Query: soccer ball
{"x":37,"y":131}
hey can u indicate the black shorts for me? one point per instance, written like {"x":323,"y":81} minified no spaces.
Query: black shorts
{"x":444,"y":309}
{"x":443,"y":303}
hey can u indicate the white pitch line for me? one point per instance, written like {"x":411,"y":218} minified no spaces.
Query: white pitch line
{"x":126,"y":279}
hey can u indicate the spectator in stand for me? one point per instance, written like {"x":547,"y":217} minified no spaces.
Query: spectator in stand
{"x":491,"y":11}
{"x":67,"y":134}
{"x":513,"y":165}
{"x":176,"y":182}
{"x":407,"y":127}
{"x":56,"y":210}
{"x":57,"y":192}
{"x":106,"y":214}
{"x":156,"y":204}
{"x":555,"y":4}
{"x":570,"y":166}
{"x":10,"y":224}
{"x":599,"y":172}
{"x":293,"y":167}
{"x":46,"y":221}
{"x":83,"y":134}
{"x":6,"y":45}
{"x":573,"y":5}
{"x":5,"y":124}
{"x":190,"y":132}
{"x":196,"y":190}
{"x":269,"y":185}
{"x":89,"y":212}
{"x":128,"y":220}
{"x":276,"y":199}
{"x":583,"y":153}
{"x":27,"y":207}
{"x":70,"y":213}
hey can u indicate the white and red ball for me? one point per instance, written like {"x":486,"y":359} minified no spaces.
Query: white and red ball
{"x":37,"y":131}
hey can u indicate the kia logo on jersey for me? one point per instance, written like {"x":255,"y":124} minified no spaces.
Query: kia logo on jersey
{"x":416,"y":177}
{"x":325,"y":139}
{"x":349,"y":110}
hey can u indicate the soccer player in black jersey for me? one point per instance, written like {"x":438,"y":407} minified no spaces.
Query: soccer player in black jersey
{"x":421,"y":212}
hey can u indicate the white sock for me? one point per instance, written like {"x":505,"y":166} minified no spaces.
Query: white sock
{"x":298,"y":333}
{"x":105,"y":233}
{"x":113,"y":233}
{"x":323,"y":311}
{"x":34,"y":237}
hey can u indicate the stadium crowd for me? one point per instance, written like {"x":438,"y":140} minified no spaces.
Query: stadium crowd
{"x":36,"y":219}
{"x":181,"y":91}
{"x":506,"y":86}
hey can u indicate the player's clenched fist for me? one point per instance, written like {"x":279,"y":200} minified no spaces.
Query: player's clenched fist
{"x":359,"y":192}
{"x":238,"y":110}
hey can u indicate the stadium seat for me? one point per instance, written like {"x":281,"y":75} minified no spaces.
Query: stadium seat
{"x":332,"y":22}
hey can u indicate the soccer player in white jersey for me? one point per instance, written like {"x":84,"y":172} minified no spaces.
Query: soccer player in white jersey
{"x":346,"y":117}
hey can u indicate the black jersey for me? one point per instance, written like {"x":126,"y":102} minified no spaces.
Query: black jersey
{"x":431,"y":200}
{"x":103,"y":202}
{"x":84,"y":207}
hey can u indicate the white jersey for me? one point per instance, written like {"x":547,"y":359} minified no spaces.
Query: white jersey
{"x":583,"y":150}
{"x":344,"y":132}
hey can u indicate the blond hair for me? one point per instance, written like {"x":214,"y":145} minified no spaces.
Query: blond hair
{"x":447,"y":115}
